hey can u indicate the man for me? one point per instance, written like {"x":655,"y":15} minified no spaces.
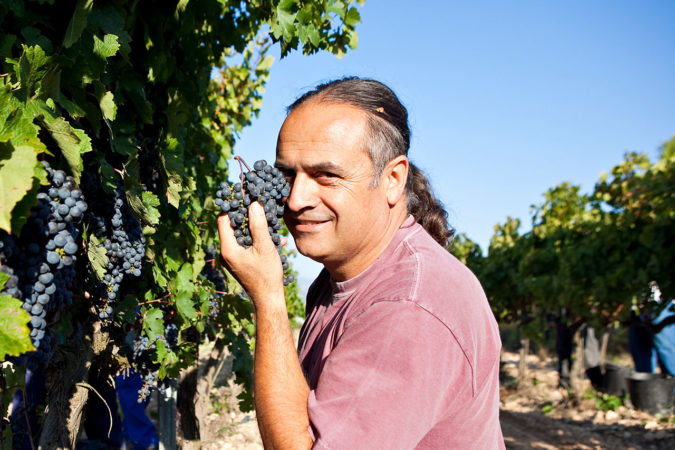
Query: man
{"x":399,"y":348}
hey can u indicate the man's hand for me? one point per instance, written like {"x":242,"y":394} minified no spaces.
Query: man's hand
{"x":257,"y":268}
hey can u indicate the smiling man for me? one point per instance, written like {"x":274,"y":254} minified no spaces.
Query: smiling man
{"x":399,"y":348}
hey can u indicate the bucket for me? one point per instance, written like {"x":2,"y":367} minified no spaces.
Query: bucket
{"x":651,"y":392}
{"x":614,"y":379}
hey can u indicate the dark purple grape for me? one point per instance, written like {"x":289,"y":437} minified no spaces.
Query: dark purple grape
{"x":70,"y":248}
{"x":53,"y":258}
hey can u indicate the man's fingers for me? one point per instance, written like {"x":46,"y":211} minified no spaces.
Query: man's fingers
{"x":227,"y":239}
{"x":257,"y":223}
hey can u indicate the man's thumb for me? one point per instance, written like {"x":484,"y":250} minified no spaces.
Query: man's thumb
{"x":257,"y":223}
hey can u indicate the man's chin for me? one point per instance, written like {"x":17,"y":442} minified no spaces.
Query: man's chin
{"x":309,"y":251}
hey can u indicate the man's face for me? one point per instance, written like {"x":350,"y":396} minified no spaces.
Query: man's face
{"x":334,"y":214}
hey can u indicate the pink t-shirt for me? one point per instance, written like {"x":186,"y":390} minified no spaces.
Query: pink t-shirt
{"x":405,"y":355}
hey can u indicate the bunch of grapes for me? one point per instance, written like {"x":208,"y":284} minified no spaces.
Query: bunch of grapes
{"x":41,"y":261}
{"x":266,"y":185}
{"x":215,"y":276}
{"x":142,"y":357}
{"x":124,"y":246}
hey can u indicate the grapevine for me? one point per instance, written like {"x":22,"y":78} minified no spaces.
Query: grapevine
{"x":111,"y":236}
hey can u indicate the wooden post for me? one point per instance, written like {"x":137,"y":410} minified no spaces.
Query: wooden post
{"x":522,"y":364}
{"x":167,"y":415}
{"x":603,"y":348}
{"x":577,"y":370}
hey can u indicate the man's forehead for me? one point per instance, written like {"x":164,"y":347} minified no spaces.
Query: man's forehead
{"x":318,"y":131}
{"x":323,"y":119}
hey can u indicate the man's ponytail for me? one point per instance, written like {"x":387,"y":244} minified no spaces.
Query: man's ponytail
{"x":425,"y":207}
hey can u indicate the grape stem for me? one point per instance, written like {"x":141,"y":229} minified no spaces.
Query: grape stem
{"x":240,"y":160}
{"x":160,"y":299}
{"x":157,"y":300}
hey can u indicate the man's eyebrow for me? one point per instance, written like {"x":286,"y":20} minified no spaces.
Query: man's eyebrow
{"x":283,"y":167}
{"x":327,"y":166}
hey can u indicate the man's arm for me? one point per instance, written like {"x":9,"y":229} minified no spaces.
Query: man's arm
{"x":281,"y":390}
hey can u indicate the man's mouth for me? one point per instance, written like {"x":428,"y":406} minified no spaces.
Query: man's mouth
{"x":307,"y":225}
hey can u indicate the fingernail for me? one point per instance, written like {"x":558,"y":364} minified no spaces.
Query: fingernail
{"x":256,"y":209}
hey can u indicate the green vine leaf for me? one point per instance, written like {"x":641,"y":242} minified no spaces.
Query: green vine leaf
{"x":97,"y":256}
{"x":184,"y":279}
{"x":171,"y":160}
{"x":151,"y":202}
{"x":142,"y":203}
{"x":108,"y":106}
{"x":153,"y":323}
{"x":353,"y":17}
{"x":108,"y":175}
{"x":30,"y":69}
{"x":71,"y":141}
{"x":107,"y":47}
{"x":185,"y":306}
{"x":14,"y":332}
{"x":17,"y":166}
{"x":285,"y":20}
{"x":185,"y":289}
{"x":78,"y":22}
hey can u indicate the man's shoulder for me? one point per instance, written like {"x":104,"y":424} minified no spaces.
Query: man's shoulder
{"x":418,"y":269}
{"x":421,"y":271}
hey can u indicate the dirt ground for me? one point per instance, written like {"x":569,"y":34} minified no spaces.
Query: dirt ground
{"x":565,"y":426}
{"x":524,"y":423}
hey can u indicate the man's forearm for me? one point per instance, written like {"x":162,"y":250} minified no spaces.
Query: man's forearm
{"x":280,"y":388}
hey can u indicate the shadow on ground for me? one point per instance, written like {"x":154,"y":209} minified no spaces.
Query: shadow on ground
{"x":534,"y":430}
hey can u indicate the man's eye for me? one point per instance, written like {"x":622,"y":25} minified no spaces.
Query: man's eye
{"x":327,"y":175}
{"x":288,"y":175}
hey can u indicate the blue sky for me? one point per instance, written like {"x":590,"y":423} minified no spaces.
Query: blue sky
{"x":506,"y":99}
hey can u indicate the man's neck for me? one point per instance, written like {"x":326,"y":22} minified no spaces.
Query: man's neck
{"x":347,"y":270}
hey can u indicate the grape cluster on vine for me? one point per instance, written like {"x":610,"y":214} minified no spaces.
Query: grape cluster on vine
{"x":41,"y":262}
{"x":143,"y":352}
{"x":215,"y":276}
{"x":266,"y":185}
{"x":124,"y":244}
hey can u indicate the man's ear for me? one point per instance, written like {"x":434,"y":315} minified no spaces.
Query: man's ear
{"x":394,"y":177}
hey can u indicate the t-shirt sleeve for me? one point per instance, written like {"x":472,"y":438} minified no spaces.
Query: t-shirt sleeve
{"x":393,"y":373}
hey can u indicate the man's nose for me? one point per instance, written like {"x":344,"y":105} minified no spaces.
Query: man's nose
{"x":303,"y":193}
